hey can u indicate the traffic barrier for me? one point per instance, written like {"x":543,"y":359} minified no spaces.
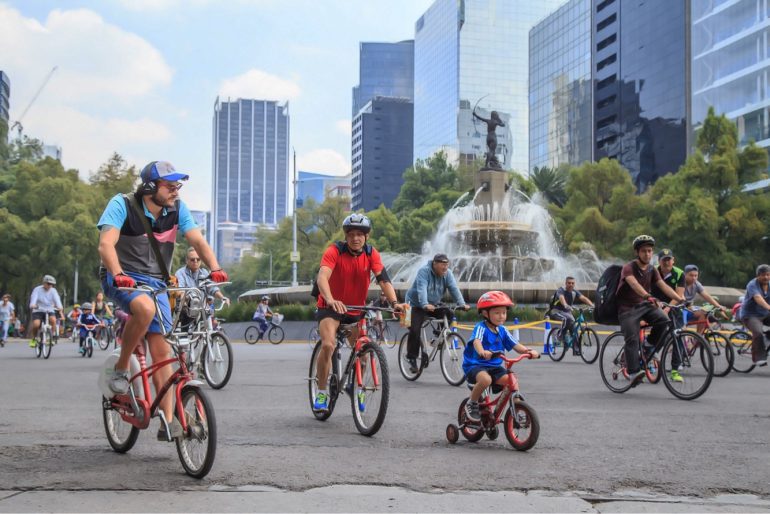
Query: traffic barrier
{"x":546,"y":331}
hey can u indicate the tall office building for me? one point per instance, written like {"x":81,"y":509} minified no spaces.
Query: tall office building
{"x":382,"y":151}
{"x":5,"y":97}
{"x":318,"y":186}
{"x":730,"y":65}
{"x":474,"y":54}
{"x":250,"y":179}
{"x":641,"y":63}
{"x":560,"y":107}
{"x":384,"y":69}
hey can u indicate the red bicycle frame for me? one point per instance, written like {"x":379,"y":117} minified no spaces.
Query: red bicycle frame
{"x":360,"y":341}
{"x":498,"y":406}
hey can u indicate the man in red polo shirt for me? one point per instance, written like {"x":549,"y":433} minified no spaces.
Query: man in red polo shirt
{"x":344,"y":280}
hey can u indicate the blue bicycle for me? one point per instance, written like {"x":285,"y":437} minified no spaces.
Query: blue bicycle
{"x":582,"y":339}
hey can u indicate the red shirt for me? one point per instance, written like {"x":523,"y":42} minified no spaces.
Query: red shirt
{"x":349,"y":281}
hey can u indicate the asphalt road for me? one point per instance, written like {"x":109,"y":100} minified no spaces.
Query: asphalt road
{"x":593,"y":443}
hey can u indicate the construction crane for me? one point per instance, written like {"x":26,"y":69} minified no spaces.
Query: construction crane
{"x":17,"y":124}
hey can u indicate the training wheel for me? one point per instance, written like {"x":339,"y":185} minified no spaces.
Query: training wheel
{"x":492,"y":433}
{"x":452,"y":433}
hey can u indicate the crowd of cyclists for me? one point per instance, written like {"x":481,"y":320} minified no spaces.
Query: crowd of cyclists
{"x":136,"y":243}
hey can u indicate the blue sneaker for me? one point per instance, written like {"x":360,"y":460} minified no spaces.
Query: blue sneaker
{"x":361,"y":401}
{"x":321,"y":403}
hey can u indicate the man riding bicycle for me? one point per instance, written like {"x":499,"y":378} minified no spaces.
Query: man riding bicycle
{"x":636,"y":303}
{"x":755,"y":312}
{"x":44,"y":302}
{"x":192,"y":273}
{"x":128,"y":257}
{"x":561,"y":309}
{"x":344,"y":280}
{"x":429,"y":286}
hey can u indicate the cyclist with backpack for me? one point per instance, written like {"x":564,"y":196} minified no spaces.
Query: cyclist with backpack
{"x":636,"y":303}
{"x":561,"y":309}
{"x":346,"y":267}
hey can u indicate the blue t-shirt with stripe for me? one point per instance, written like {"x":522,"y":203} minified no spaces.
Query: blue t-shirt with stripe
{"x":500,"y":341}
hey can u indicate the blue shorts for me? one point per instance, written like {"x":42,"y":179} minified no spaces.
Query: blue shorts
{"x":124,"y":298}
{"x":496,"y":372}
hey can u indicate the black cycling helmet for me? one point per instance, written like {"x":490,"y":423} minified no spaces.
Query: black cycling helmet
{"x":358,"y":222}
{"x":643,"y":240}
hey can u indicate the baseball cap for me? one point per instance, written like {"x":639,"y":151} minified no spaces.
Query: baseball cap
{"x":161,"y":170}
{"x":440,"y":257}
{"x":665,"y":254}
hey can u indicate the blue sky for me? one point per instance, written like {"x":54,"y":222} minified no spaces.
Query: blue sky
{"x":140,"y":76}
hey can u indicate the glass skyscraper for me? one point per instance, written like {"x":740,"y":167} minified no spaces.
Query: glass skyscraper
{"x":560,"y":107}
{"x":250,"y":172}
{"x":385,"y":69}
{"x":730,"y":65}
{"x":474,"y":54}
{"x":5,"y":97}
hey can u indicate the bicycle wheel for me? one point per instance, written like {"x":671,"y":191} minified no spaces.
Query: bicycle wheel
{"x":275,"y":335}
{"x":312,"y":384}
{"x":217,"y":360}
{"x":370,"y":401}
{"x":198,"y":447}
{"x":722,"y":351}
{"x":89,"y":348}
{"x":48,"y":344}
{"x":252,"y":334}
{"x":472,"y":433}
{"x":120,"y":434}
{"x":741,"y":343}
{"x":403,"y":364}
{"x":522,"y":426}
{"x":589,"y":345}
{"x":314,"y":336}
{"x":388,"y":337}
{"x":451,"y":358}
{"x":612,"y":363}
{"x":555,"y":345}
{"x":696,"y":368}
{"x":39,"y":344}
{"x":104,"y":338}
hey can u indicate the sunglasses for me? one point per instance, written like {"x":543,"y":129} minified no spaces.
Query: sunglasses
{"x":172,"y":186}
{"x":194,"y":259}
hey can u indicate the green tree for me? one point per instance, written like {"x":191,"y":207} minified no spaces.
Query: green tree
{"x":552,"y":183}
{"x":422,"y":180}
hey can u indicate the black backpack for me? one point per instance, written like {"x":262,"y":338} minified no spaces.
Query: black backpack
{"x":342,"y":247}
{"x":606,"y":304}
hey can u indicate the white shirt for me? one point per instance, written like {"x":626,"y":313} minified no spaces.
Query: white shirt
{"x":46,"y":301}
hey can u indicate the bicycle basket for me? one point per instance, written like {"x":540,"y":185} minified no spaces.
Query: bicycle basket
{"x":277,"y":319}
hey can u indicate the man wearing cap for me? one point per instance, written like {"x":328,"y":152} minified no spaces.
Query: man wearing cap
{"x":693,"y":287}
{"x":128,"y":257}
{"x":432,"y":281}
{"x":671,"y":275}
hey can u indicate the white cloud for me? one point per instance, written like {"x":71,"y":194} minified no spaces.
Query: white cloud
{"x":344,"y":126}
{"x":163,"y":5}
{"x":260,"y":85}
{"x":324,"y":160}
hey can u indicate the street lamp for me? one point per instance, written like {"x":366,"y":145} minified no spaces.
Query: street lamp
{"x":294,"y":256}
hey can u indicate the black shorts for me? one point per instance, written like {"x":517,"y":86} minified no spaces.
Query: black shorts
{"x":496,"y":372}
{"x":42,"y":316}
{"x":345,"y":319}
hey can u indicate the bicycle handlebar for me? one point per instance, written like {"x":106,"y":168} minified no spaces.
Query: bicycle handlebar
{"x":511,"y":362}
{"x":368,"y":308}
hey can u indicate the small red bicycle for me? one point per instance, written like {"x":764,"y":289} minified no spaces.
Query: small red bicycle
{"x":125,"y":414}
{"x":520,"y":421}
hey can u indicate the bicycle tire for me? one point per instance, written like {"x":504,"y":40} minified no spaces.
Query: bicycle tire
{"x":276,"y":334}
{"x":104,"y":339}
{"x":374,"y":365}
{"x":696,"y":368}
{"x":48,"y":344}
{"x":114,"y":423}
{"x":451,"y":358}
{"x":519,"y":419}
{"x":612,"y":363}
{"x":217,"y":364}
{"x":331,"y":384}
{"x":743,"y":362}
{"x":252,"y":334}
{"x":403,"y":364}
{"x":471,"y":433}
{"x":589,"y":345}
{"x":722,"y":351}
{"x":89,"y":348}
{"x":556,"y":347}
{"x":314,"y":336}
{"x":201,"y":432}
{"x":387,"y":335}
{"x":39,"y":343}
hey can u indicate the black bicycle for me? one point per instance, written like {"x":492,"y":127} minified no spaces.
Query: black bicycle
{"x":581,"y":338}
{"x":686,"y":362}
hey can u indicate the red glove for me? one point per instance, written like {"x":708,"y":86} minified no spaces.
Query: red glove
{"x":123,"y":280}
{"x":219,"y":275}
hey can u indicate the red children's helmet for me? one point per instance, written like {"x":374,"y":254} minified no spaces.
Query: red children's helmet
{"x":493,"y":299}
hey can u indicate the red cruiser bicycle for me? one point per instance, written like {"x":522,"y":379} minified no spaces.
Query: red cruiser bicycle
{"x":125,"y":414}
{"x":519,"y":419}
{"x":364,"y":378}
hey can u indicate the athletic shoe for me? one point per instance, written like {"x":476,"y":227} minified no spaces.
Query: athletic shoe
{"x":176,"y":431}
{"x":321,"y":403}
{"x":637,"y":378}
{"x":82,"y":350}
{"x":472,"y":411}
{"x":761,"y":362}
{"x":117,"y":381}
{"x":413,"y":365}
{"x":676,"y":377}
{"x":361,"y":401}
{"x":32,"y":343}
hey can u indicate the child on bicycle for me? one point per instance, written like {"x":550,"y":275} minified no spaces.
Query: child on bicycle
{"x":261,"y":314}
{"x":489,"y":336}
{"x":87,"y":317}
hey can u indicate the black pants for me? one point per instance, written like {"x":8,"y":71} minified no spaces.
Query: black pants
{"x":629,"y":325}
{"x":755,"y":326}
{"x":415,"y":330}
